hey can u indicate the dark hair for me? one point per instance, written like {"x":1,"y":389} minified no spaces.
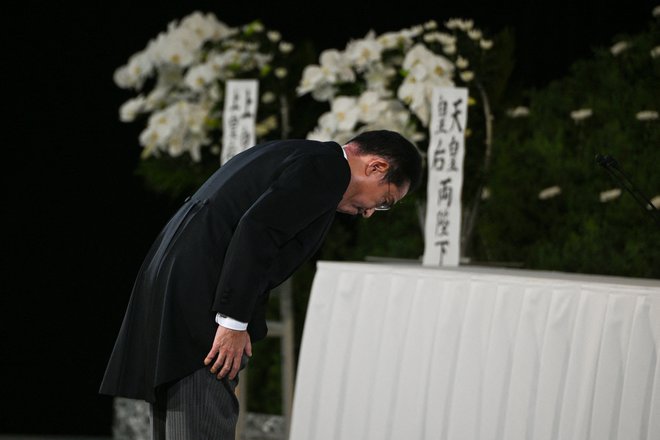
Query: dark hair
{"x":403,"y":157}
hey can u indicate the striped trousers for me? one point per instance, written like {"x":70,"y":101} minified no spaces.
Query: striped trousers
{"x":197,"y":407}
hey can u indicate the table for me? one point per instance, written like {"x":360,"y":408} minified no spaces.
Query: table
{"x":401,"y":351}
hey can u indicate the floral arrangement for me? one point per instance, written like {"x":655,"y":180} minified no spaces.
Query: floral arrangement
{"x":386,"y":81}
{"x":180,"y":79}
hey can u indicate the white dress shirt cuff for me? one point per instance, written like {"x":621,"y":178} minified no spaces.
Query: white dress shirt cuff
{"x":230,"y":323}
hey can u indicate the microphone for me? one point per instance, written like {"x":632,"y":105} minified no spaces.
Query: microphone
{"x":612,"y":167}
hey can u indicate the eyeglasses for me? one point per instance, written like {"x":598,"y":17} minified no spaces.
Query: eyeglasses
{"x":387,"y":205}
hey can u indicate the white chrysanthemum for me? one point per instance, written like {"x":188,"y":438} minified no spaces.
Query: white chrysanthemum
{"x":363,"y":52}
{"x":550,"y":192}
{"x":655,"y":52}
{"x":370,"y":106}
{"x":199,"y":76}
{"x":647,"y":115}
{"x":346,"y":111}
{"x":131,"y":108}
{"x":518,"y":112}
{"x":581,"y":114}
{"x":656,"y":11}
{"x":486,"y":44}
{"x":619,"y":47}
{"x":606,"y":196}
{"x":430,"y":25}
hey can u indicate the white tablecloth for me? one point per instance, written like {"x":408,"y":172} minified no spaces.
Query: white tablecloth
{"x":401,"y":352}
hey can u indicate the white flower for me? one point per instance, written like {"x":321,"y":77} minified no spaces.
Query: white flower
{"x":440,"y":37}
{"x":207,"y":27}
{"x":486,"y":44}
{"x":619,"y":47}
{"x":458,"y":23}
{"x":485,"y":193}
{"x":474,"y":34}
{"x":462,"y":63}
{"x":131,"y":108}
{"x":268,"y":97}
{"x":346,"y":111}
{"x":274,"y":36}
{"x":655,"y":52}
{"x":647,"y":115}
{"x":281,"y":72}
{"x":286,"y":47}
{"x":581,"y":114}
{"x":430,"y":25}
{"x":435,"y":64}
{"x":453,"y":23}
{"x":337,"y":64}
{"x":656,"y":11}
{"x":518,"y":112}
{"x":655,"y":201}
{"x":465,"y":25}
{"x":608,"y":195}
{"x":378,"y":77}
{"x":133,"y":74}
{"x":199,"y":76}
{"x":391,"y":40}
{"x":467,"y":76}
{"x":326,"y":128}
{"x":550,"y":192}
{"x":449,"y":49}
{"x":370,"y":106}
{"x":266,"y":126}
{"x":364,"y":52}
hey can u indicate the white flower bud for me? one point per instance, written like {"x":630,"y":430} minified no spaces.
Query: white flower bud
{"x":550,"y":192}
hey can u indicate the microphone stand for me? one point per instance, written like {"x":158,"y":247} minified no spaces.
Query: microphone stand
{"x":612,"y":167}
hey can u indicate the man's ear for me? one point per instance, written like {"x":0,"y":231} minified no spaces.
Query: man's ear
{"x":377,"y":165}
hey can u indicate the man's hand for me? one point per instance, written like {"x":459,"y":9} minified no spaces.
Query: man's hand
{"x":227,"y":350}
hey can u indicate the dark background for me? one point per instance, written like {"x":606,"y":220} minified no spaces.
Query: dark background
{"x":77,"y":220}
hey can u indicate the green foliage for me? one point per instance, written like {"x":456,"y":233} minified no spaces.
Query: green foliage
{"x":574,"y":231}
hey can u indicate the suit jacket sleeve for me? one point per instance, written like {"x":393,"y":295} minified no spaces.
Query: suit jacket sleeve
{"x":304,"y":191}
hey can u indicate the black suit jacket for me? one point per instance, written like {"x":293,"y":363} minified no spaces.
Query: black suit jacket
{"x":245,"y":231}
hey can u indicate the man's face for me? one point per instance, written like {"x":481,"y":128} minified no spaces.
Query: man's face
{"x":369,"y":194}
